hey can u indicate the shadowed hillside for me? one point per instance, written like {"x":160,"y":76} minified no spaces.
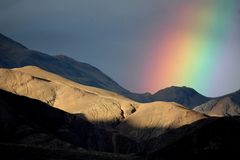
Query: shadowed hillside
{"x":54,"y":107}
{"x":28,"y":121}
{"x":212,"y":138}
{"x":32,"y":129}
{"x":98,"y":105}
{"x":157,"y":118}
{"x":27,"y":152}
{"x":103,"y":108}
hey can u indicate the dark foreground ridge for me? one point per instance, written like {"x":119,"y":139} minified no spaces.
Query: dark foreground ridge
{"x":212,"y":138}
{"x":31,"y":122}
{"x":30,"y":129}
{"x":28,"y":152}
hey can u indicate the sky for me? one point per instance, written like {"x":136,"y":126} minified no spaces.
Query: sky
{"x":144,"y":45}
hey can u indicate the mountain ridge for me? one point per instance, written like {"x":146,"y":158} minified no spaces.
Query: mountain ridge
{"x":37,"y":129}
{"x":97,"y":104}
{"x":50,"y":110}
{"x":15,"y":55}
{"x":29,"y":121}
{"x":103,"y":108}
{"x":183,"y":95}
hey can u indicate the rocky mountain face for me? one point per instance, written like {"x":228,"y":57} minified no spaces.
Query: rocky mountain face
{"x":137,"y":121}
{"x":154,"y":119}
{"x":15,"y":55}
{"x":103,"y":108}
{"x":96,"y":105}
{"x":228,"y":105}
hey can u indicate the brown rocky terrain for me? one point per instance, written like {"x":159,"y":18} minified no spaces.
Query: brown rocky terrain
{"x":96,"y":105}
{"x":31,"y":129}
{"x":228,"y":105}
{"x":154,"y":119}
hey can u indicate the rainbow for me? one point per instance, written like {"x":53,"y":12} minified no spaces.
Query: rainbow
{"x":185,"y":50}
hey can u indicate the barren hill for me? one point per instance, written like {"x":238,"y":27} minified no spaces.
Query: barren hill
{"x":31,"y":122}
{"x":228,"y":105}
{"x":96,"y":105}
{"x":139,"y":121}
{"x":154,"y":119}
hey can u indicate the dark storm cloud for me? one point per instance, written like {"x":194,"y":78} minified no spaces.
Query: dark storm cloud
{"x":109,"y":34}
{"x":101,"y":32}
{"x":5,"y":4}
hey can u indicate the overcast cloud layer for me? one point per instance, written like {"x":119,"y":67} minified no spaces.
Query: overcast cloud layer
{"x":108,"y":34}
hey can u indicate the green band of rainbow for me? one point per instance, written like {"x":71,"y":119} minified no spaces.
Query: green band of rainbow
{"x":189,"y":46}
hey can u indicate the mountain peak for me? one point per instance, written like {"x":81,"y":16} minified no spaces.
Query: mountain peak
{"x":14,"y":55}
{"x":183,"y":95}
{"x":177,"y":90}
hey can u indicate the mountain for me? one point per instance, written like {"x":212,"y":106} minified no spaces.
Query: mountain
{"x":228,"y":105}
{"x":183,"y":95}
{"x":14,"y":55}
{"x":154,"y":119}
{"x":98,"y":106}
{"x":31,"y":129}
{"x":211,"y":138}
{"x":31,"y":122}
{"x":103,"y":108}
